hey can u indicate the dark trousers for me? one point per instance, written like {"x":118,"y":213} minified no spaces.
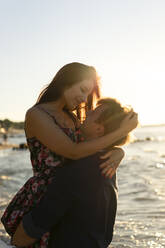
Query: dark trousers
{"x":79,"y":239}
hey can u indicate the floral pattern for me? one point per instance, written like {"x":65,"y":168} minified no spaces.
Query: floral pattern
{"x":44,"y":163}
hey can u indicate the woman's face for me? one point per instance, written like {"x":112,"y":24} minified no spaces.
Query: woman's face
{"x":78,"y":93}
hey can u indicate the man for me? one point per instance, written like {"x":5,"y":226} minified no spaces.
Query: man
{"x":79,"y":207}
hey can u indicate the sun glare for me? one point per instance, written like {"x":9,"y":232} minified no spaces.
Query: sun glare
{"x":145,"y":98}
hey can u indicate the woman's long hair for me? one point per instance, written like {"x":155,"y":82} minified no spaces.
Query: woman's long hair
{"x":66,"y":77}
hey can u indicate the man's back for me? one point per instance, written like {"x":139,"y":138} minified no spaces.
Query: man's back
{"x":84,"y":224}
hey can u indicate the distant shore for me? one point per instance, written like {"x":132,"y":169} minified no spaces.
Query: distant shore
{"x":153,"y":125}
{"x":6,"y":146}
{"x":10,"y":132}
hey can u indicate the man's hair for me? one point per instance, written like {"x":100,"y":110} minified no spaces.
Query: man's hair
{"x":112,"y":117}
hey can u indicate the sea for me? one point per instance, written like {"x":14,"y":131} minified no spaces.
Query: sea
{"x":140,"y":220}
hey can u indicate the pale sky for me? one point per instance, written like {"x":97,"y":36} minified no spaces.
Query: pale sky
{"x":123,"y":39}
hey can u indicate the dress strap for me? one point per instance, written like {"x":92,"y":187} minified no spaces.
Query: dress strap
{"x":52,"y":116}
{"x":73,"y":117}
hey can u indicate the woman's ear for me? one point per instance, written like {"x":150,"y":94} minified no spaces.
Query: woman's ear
{"x":100,"y":130}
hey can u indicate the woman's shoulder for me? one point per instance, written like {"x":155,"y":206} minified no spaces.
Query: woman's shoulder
{"x":35,"y":112}
{"x":33,"y":118}
{"x":30,"y":112}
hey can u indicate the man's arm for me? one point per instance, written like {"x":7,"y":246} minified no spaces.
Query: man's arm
{"x":53,"y":206}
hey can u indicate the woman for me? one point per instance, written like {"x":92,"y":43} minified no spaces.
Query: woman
{"x":51,"y":128}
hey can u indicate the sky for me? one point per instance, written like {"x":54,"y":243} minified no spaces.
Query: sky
{"x":123,"y":39}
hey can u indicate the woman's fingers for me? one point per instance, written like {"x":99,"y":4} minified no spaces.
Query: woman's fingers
{"x":107,"y":168}
{"x":110,"y":172}
{"x":115,"y":156}
{"x":106,"y":155}
{"x":110,"y":165}
{"x":130,"y":122}
{"x":106,"y":163}
{"x":134,"y":120}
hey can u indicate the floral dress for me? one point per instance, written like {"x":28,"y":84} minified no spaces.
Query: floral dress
{"x":44,"y":163}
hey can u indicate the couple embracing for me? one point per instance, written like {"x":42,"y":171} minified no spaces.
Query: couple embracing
{"x":71,"y":199}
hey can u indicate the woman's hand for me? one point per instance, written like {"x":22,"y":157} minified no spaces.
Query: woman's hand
{"x":130,"y":122}
{"x":110,"y":165}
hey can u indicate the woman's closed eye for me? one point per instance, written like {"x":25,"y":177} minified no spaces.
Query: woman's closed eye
{"x":83,"y":90}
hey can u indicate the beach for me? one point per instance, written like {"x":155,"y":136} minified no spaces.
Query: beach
{"x":140,"y":220}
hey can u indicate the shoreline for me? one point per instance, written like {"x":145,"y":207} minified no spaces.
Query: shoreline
{"x":7,"y":146}
{"x":10,"y":133}
{"x":21,"y":146}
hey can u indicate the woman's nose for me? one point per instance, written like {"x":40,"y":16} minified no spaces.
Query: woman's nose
{"x":84,"y":98}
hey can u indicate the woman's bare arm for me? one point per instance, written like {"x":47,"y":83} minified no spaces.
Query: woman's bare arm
{"x":48,"y":133}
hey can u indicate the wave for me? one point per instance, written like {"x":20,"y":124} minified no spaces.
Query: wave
{"x":4,"y":245}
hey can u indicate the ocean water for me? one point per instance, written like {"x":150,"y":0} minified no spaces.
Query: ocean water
{"x":140,"y":220}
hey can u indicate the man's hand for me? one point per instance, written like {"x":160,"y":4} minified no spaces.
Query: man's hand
{"x":110,"y":165}
{"x":20,"y":238}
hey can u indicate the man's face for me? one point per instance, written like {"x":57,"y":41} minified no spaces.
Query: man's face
{"x":92,"y":129}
